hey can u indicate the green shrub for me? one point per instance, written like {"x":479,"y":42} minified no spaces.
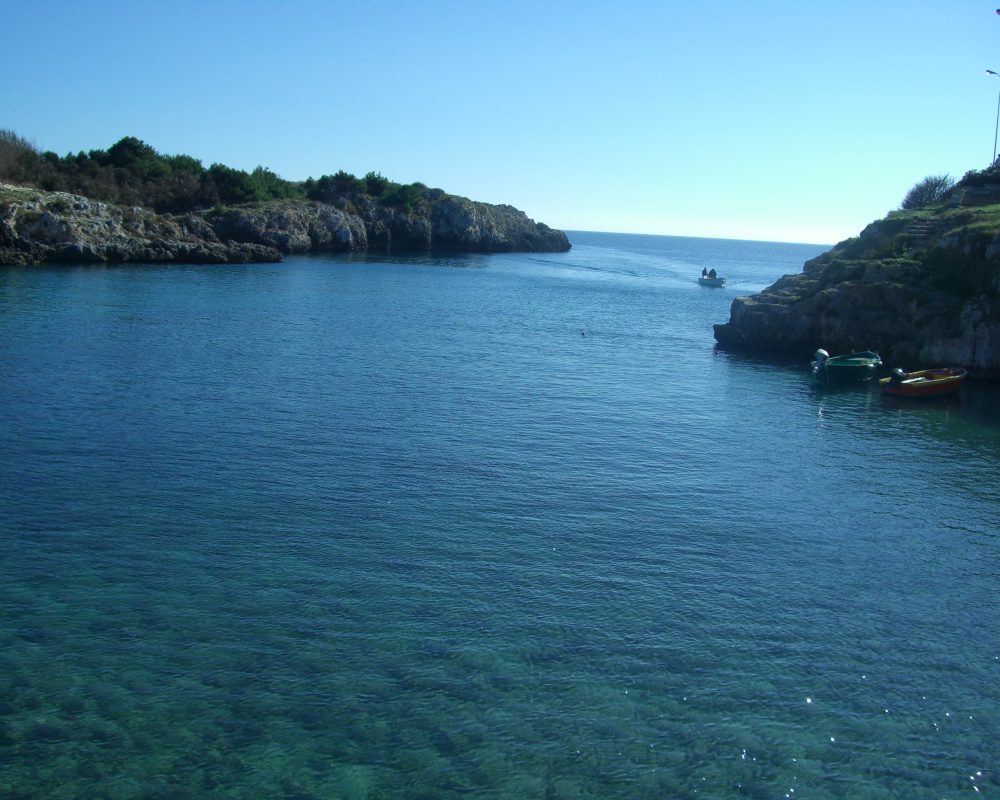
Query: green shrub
{"x":376,"y":184}
{"x":930,"y":191}
{"x":403,"y":197}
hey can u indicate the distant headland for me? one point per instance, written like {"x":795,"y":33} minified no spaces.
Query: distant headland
{"x":921,"y":286}
{"x":131,"y":204}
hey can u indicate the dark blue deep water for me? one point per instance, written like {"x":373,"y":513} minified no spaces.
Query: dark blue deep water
{"x":478,"y":526}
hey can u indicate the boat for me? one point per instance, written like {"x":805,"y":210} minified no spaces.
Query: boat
{"x":924,"y":382}
{"x":850,"y":368}
{"x":709,"y":281}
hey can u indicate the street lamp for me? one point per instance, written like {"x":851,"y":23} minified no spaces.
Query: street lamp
{"x":996,"y":128}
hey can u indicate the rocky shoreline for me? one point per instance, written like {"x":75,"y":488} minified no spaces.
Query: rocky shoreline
{"x":38,"y":226}
{"x":922,"y":288}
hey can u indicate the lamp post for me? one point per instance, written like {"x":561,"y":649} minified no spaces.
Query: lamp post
{"x":996,"y":128}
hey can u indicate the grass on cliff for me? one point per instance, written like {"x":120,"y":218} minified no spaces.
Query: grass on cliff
{"x":16,"y":194}
{"x":913,"y":239}
{"x":983,"y":220}
{"x":979,"y":222}
{"x":961,"y":271}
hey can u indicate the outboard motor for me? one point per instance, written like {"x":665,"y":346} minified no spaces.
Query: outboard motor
{"x":821,"y":357}
{"x":898,"y":376}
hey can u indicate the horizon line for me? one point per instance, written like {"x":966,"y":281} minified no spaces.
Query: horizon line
{"x":686,"y":236}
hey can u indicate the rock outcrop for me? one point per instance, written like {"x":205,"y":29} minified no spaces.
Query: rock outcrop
{"x":462,"y":224}
{"x":289,"y":227}
{"x":356,"y":222}
{"x":38,"y":226}
{"x":921,"y":287}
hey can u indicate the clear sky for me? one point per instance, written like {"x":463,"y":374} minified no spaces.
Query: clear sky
{"x":785,"y":120}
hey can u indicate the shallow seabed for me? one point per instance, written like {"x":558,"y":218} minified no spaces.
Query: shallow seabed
{"x":502,"y":526}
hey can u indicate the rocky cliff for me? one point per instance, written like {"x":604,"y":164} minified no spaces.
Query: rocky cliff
{"x":38,"y":226}
{"x":356,"y":222}
{"x":920,"y":287}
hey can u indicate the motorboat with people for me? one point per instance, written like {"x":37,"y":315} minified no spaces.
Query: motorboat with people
{"x":709,"y":277}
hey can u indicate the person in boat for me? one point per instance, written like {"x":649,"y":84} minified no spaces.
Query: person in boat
{"x":712,"y":273}
{"x":704,"y":272}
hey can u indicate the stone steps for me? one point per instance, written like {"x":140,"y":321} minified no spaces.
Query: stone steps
{"x":919,"y":232}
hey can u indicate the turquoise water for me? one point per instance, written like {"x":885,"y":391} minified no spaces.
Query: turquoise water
{"x":479,"y":526}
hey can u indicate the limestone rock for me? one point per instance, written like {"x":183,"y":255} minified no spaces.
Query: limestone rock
{"x":290,"y":227}
{"x":464,"y":224}
{"x":38,"y":226}
{"x":448,"y":222}
{"x":921,"y":289}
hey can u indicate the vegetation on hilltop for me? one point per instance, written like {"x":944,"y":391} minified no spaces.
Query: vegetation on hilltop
{"x":990,"y":175}
{"x":944,"y":247}
{"x":935,"y":190}
{"x":131,"y":173}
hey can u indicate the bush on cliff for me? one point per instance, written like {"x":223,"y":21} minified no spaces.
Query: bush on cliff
{"x":984,"y":177}
{"x":930,"y":191}
{"x":341,"y":190}
{"x":327,"y":185}
{"x":407,"y":197}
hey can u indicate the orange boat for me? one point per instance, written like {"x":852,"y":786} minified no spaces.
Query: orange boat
{"x":923,"y":383}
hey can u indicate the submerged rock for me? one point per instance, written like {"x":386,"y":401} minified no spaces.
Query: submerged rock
{"x":922,"y":288}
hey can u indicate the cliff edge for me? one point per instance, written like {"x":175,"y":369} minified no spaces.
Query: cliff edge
{"x":921,"y":287}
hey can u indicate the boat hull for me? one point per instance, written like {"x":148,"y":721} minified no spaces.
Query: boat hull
{"x":925,"y":383}
{"x":853,"y":368}
{"x":716,"y":282}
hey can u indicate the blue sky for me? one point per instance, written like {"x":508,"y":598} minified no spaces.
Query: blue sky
{"x":787,"y":120}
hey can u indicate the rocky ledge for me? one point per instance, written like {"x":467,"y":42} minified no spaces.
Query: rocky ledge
{"x":920,"y":287}
{"x":37,"y":226}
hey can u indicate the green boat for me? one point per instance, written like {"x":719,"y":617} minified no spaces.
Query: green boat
{"x":851,"y":368}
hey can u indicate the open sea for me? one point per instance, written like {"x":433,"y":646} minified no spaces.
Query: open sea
{"x":478,"y":526}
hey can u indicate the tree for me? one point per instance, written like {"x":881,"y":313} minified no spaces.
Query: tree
{"x":184,"y":164}
{"x":17,"y":156}
{"x":931,"y":190}
{"x":233,"y":185}
{"x":376,"y":184}
{"x":346,"y":182}
{"x":129,"y":151}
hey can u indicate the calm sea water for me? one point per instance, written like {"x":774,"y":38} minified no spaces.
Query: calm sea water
{"x":478,"y":526}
